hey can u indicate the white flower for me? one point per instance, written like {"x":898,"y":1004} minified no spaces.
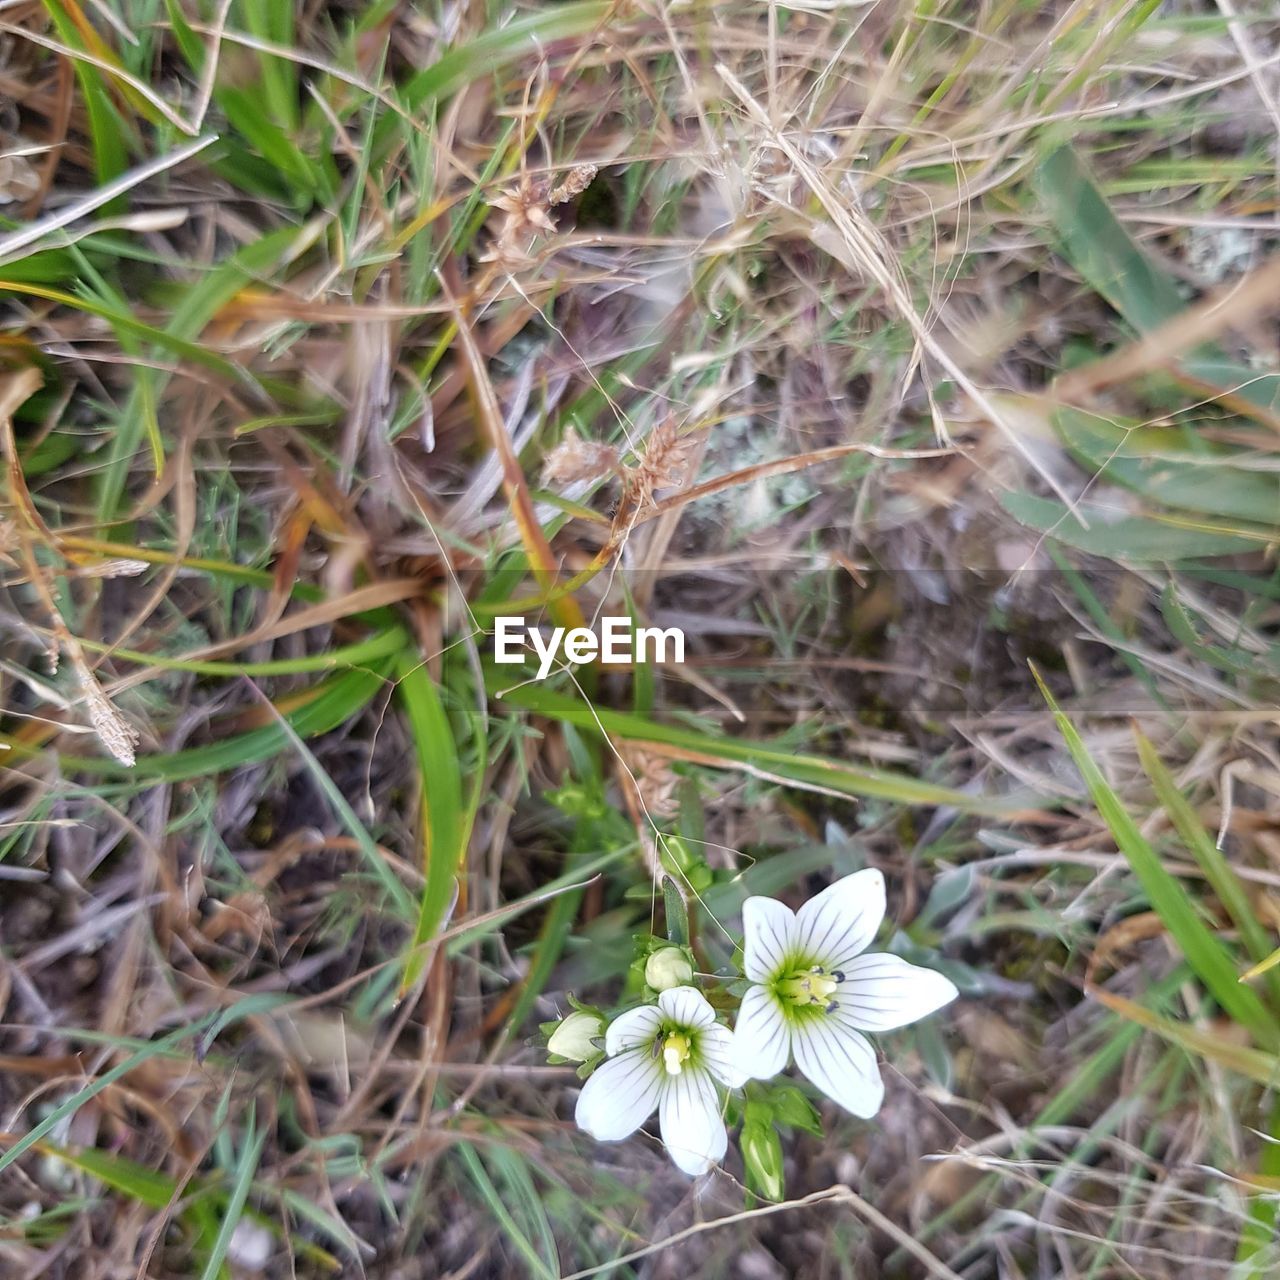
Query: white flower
{"x":813,"y":992}
{"x":669,"y":1056}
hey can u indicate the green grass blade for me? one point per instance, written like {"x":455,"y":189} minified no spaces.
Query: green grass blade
{"x":90,"y":1091}
{"x":538,"y":1266}
{"x":1105,"y":623}
{"x":332,"y":703}
{"x":1253,"y":1064}
{"x":722,"y":752}
{"x":363,"y":652}
{"x":445,"y":826}
{"x":494,"y":49}
{"x":147,"y":1186}
{"x":1217,"y":870}
{"x":107,"y":130}
{"x":1208,"y":958}
{"x":387,"y":878}
{"x":246,"y":1167}
{"x":178,"y":346}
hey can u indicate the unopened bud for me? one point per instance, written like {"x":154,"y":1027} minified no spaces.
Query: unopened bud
{"x":762,"y":1158}
{"x":668,"y":968}
{"x":573,"y":1038}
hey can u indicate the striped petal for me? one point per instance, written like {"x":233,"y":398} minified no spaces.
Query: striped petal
{"x":838,"y":924}
{"x":761,"y":1035}
{"x":686,"y":1007}
{"x":840,"y":1062}
{"x":620,"y":1096}
{"x":632,"y":1029}
{"x":716,"y":1052}
{"x":692,"y":1127}
{"x":768,"y":928}
{"x":882,"y":992}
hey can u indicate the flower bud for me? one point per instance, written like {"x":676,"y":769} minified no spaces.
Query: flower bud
{"x":573,"y":1038}
{"x":668,"y":968}
{"x":762,"y":1158}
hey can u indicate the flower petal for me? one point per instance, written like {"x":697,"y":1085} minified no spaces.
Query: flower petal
{"x":768,"y":929}
{"x":692,"y":1127}
{"x":620,"y":1096}
{"x":840,"y":1062}
{"x":835,"y":926}
{"x":632,"y":1029}
{"x":686,"y":1007}
{"x":761,"y":1035}
{"x":716,"y":1052}
{"x":881,"y":992}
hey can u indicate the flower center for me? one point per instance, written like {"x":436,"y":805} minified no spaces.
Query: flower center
{"x":811,"y":986}
{"x":675,"y":1052}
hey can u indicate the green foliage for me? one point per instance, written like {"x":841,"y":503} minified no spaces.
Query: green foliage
{"x":1204,"y":951}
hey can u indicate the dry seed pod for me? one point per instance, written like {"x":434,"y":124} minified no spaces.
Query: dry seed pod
{"x":19,"y":180}
{"x":665,"y":463}
{"x":122,"y":568}
{"x":526,"y":208}
{"x":575,"y":460}
{"x":579,"y":179}
{"x":655,"y":781}
{"x":115,"y":732}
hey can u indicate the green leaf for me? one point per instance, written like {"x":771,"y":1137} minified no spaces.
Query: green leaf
{"x":676,"y":912}
{"x":1146,"y":539}
{"x":1242,"y":662}
{"x":1171,"y":465}
{"x":134,"y":1180}
{"x":1097,"y":244}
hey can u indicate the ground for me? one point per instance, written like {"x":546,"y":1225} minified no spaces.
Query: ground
{"x":918,"y":359}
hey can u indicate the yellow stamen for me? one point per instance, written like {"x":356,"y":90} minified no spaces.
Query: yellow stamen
{"x":675,"y":1052}
{"x":810,"y":986}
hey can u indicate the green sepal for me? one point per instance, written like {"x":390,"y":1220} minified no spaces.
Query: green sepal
{"x":587,"y":1067}
{"x":762,"y":1152}
{"x":792,"y":1109}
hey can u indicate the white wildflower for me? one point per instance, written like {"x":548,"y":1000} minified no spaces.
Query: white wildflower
{"x":814,"y":993}
{"x":670,"y":1056}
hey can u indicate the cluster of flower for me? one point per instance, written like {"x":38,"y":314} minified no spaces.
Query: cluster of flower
{"x":811,"y":995}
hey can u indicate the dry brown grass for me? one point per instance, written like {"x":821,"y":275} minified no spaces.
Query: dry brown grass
{"x":748,"y":317}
